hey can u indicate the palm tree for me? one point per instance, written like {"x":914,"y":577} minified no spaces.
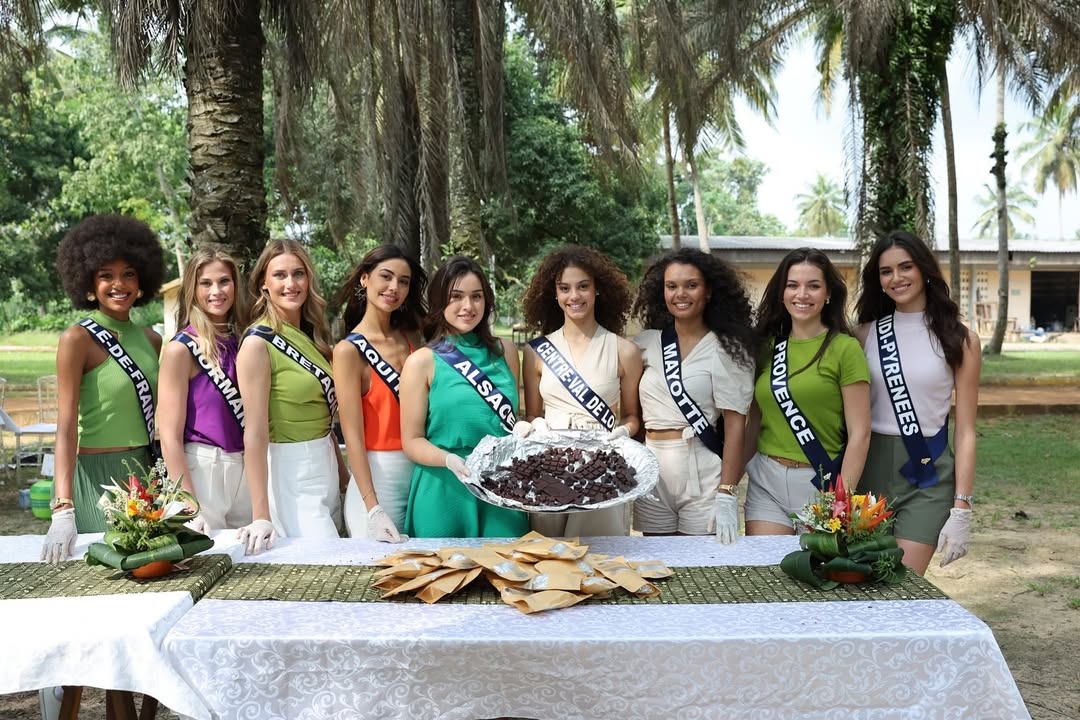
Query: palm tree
{"x":1017,"y":199}
{"x":821,"y":208}
{"x":1054,"y":152}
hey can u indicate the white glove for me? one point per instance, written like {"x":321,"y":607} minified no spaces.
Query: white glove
{"x":380,"y":527}
{"x":522,"y":428}
{"x":619,"y":432}
{"x":60,"y":540}
{"x":198,"y":524}
{"x":539,"y":425}
{"x":257,"y":536}
{"x":953,"y":539}
{"x":725,"y":517}
{"x":457,"y":466}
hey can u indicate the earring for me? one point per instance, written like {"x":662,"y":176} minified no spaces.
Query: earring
{"x":138,"y":294}
{"x":361,"y":292}
{"x":827,"y":300}
{"x":90,"y":297}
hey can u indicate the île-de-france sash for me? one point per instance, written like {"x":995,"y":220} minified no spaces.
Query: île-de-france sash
{"x":484,"y":387}
{"x":824,"y":466}
{"x":565,"y":372}
{"x":224,"y":384}
{"x":383,"y":369}
{"x":706,"y":433}
{"x":919,"y":470}
{"x":326,"y":382}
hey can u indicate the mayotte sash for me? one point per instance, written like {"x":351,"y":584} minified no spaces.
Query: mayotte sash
{"x":484,"y":387}
{"x":919,"y":470}
{"x":706,"y":433}
{"x":224,"y":384}
{"x":568,"y":375}
{"x":824,"y":466}
{"x":383,"y":369}
{"x":326,"y":382}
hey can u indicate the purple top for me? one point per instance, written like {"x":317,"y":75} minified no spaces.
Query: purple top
{"x":209,"y":419}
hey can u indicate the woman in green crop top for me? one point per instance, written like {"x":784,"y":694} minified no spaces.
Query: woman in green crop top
{"x":107,"y":264}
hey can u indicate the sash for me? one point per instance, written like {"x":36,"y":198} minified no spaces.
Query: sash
{"x":485,"y":388}
{"x":824,"y":467}
{"x":383,"y":369}
{"x":103,"y":337}
{"x":224,"y":384}
{"x":919,"y":470}
{"x":573,"y":382}
{"x":669,"y":344}
{"x":325,"y":381}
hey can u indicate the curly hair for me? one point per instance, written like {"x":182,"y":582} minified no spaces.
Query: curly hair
{"x":612,"y":289}
{"x":727,"y":311}
{"x":101,"y":239}
{"x":406,"y":317}
{"x":188,"y":311}
{"x":313,"y":314}
{"x":941,"y":311}
{"x":442,"y":284}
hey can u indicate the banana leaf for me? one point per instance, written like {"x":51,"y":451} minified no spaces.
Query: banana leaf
{"x":801,"y":564}
{"x":821,"y":543}
{"x":881,"y":542}
{"x":184,"y":544}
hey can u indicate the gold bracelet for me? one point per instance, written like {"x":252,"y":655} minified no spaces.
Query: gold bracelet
{"x":61,"y":501}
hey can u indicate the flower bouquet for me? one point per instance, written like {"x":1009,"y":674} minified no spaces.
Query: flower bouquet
{"x":145,"y":518}
{"x":846,"y":540}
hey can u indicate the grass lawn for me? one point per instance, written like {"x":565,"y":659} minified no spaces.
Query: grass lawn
{"x":36,"y":338}
{"x":24,"y":367}
{"x":1035,"y":364}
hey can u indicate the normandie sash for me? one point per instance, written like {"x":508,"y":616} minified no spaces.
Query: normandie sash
{"x":224,"y":384}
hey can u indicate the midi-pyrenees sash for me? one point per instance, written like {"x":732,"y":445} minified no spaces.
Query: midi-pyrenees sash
{"x":824,"y":466}
{"x":669,"y":344}
{"x":326,"y":382}
{"x":108,"y":342}
{"x":484,"y":387}
{"x":383,"y":369}
{"x":222,"y":382}
{"x":919,"y":470}
{"x":562,"y":369}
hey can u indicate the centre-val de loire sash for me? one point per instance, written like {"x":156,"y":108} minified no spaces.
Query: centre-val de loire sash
{"x":706,"y":433}
{"x":573,"y":382}
{"x":484,"y":387}
{"x":222,"y":382}
{"x":383,"y":369}
{"x":919,"y":470}
{"x":326,"y":382}
{"x":824,"y":466}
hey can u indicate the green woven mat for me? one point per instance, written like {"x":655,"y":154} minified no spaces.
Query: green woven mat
{"x":33,"y":580}
{"x":690,"y":585}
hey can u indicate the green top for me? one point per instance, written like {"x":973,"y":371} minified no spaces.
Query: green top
{"x":109,"y":411}
{"x":816,"y":390}
{"x":297,"y":407}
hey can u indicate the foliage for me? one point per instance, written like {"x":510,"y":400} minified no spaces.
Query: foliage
{"x":821,"y":208}
{"x":1016,"y":199}
{"x":856,"y":517}
{"x":1054,"y":152}
{"x":730,"y":198}
{"x":145,"y":514}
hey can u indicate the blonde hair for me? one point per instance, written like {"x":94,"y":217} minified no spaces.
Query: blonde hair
{"x":188,"y":311}
{"x":313,"y":314}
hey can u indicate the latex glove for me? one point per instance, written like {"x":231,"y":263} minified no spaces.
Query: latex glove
{"x":60,"y":540}
{"x":725,"y":517}
{"x":539,"y":425}
{"x":619,"y":432}
{"x":457,"y":466}
{"x":198,"y":524}
{"x":522,"y":428}
{"x":257,"y":536}
{"x":953,"y":539}
{"x":380,"y":527}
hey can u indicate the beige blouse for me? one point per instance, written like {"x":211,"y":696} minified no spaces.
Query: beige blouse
{"x":599,"y":368}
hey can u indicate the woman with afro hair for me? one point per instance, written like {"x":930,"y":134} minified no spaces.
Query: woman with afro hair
{"x":580,"y":300}
{"x":108,"y":264}
{"x":699,"y":372}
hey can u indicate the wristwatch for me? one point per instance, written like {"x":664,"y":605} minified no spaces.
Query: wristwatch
{"x":729,"y":489}
{"x":969,"y":499}
{"x":61,"y":501}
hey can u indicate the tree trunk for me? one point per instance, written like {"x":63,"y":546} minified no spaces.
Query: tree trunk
{"x":669,"y":168}
{"x":699,"y":204}
{"x":950,"y":167}
{"x":223,"y":77}
{"x":466,"y":229}
{"x":1002,"y":221}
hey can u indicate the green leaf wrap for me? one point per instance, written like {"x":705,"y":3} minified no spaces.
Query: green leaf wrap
{"x":800,"y":565}
{"x":182,"y":546}
{"x":820,"y":543}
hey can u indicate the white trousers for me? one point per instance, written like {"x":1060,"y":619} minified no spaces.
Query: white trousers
{"x":303,"y":488}
{"x":689,"y":475}
{"x":391,"y":474}
{"x":218,"y":479}
{"x":613,"y":520}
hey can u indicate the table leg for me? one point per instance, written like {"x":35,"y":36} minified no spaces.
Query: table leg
{"x":69,"y":705}
{"x":149,"y":708}
{"x":120,"y":705}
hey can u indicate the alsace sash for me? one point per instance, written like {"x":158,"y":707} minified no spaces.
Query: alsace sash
{"x":824,"y":466}
{"x":919,"y":470}
{"x":326,"y":382}
{"x":222,"y":382}
{"x":383,"y":369}
{"x":568,"y":375}
{"x":484,"y":387}
{"x":706,"y":433}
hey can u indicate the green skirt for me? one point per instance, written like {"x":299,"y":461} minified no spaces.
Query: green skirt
{"x":93,"y":471}
{"x":440,"y":506}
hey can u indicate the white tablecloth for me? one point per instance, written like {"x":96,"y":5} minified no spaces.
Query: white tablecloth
{"x":913,"y":659}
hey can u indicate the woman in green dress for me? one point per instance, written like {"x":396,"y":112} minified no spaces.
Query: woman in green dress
{"x":444,"y":414}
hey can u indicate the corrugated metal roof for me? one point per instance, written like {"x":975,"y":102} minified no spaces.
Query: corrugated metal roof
{"x":976,"y":245}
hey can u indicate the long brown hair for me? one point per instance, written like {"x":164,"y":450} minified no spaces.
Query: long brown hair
{"x":442,"y":283}
{"x":188,"y":311}
{"x":408,"y":316}
{"x":312,"y":315}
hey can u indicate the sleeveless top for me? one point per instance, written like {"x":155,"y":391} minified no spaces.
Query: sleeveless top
{"x":109,"y":411}
{"x":382,"y":415}
{"x":209,"y":419}
{"x":297,"y":406}
{"x":599,"y":368}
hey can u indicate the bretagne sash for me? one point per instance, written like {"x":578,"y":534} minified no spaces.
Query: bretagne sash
{"x":222,"y":382}
{"x":326,"y":382}
{"x":669,"y":345}
{"x":383,"y":369}
{"x":919,"y":470}
{"x":568,"y":375}
{"x":824,"y":466}
{"x":484,"y":387}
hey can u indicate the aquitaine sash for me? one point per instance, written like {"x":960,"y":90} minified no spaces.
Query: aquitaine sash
{"x":484,"y":387}
{"x":919,"y":470}
{"x":383,"y":369}
{"x":222,"y":382}
{"x":823,"y":465}
{"x":669,"y":344}
{"x":573,"y":382}
{"x":325,"y":381}
{"x":103,"y":337}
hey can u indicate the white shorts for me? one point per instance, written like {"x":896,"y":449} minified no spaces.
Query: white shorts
{"x":689,"y":476}
{"x":303,"y":488}
{"x":218,"y":480}
{"x":614,"y":520}
{"x":775,"y":490}
{"x":391,"y":474}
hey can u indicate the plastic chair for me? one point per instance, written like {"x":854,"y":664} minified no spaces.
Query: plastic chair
{"x":38,"y":429}
{"x":47,"y":399}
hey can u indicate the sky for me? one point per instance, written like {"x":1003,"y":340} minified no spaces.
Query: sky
{"x":803,"y":142}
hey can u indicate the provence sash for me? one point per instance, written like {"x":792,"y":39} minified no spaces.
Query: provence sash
{"x":484,"y":387}
{"x":383,"y":369}
{"x":824,"y":467}
{"x":568,"y":375}
{"x":669,"y":344}
{"x":326,"y":382}
{"x":919,"y":470}
{"x":222,"y":382}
